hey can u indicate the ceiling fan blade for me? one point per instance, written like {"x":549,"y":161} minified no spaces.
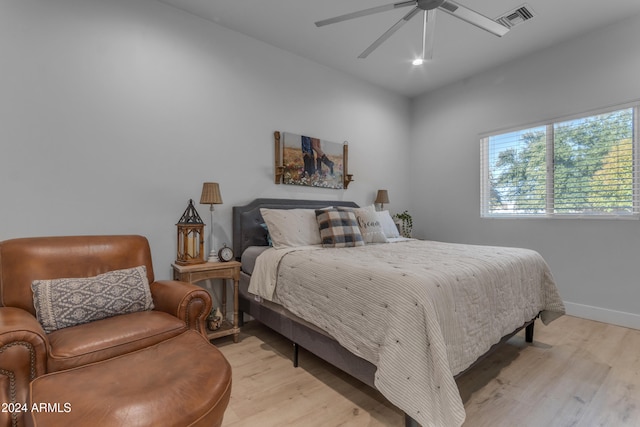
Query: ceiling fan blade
{"x":429,"y":32}
{"x":389,"y":33}
{"x":365,"y":12}
{"x":474,"y":18}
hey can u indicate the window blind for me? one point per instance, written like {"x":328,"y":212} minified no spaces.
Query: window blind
{"x":582,"y":166}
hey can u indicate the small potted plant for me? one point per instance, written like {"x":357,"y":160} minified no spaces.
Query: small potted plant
{"x":404,"y":222}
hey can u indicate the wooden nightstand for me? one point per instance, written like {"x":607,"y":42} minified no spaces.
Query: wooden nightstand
{"x":215,"y":270}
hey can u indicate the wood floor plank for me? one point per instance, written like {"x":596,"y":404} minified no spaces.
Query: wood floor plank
{"x":576,"y":373}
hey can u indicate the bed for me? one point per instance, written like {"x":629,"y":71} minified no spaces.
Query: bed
{"x":418,"y":340}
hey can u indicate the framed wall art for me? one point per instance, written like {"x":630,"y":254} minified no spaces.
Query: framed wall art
{"x":310,"y":161}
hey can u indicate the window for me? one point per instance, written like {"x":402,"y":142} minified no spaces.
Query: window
{"x":583,"y":166}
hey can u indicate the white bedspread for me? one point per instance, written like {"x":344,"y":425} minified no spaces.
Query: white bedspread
{"x":421,"y":311}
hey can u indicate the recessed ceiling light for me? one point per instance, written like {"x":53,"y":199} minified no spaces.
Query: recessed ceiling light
{"x":418,"y":61}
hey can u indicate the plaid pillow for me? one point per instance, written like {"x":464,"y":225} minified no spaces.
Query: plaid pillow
{"x":338,"y":229}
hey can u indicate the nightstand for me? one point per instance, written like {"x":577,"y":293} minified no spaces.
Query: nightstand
{"x":215,"y":270}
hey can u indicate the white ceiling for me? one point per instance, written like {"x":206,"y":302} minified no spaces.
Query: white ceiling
{"x":460,"y":49}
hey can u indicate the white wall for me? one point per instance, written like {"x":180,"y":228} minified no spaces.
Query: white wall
{"x":114,"y":112}
{"x":595,"y":262}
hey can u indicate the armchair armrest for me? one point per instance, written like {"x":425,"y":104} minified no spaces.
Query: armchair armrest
{"x":23,"y":357}
{"x":188,"y":302}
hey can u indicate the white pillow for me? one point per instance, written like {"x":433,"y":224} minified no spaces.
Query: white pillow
{"x":291,"y":227}
{"x":369,"y":224}
{"x":389,"y":227}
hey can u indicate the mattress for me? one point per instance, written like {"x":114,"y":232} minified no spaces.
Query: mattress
{"x":249,"y":257}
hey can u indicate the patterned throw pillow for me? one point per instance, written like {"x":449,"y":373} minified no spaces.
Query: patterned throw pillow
{"x":61,"y":303}
{"x":370,"y":226}
{"x":338,"y":229}
{"x":268,"y":236}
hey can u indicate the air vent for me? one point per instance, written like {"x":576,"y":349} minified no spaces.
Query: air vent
{"x":449,"y":6}
{"x":516,"y":16}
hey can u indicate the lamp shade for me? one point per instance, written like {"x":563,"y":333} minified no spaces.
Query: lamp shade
{"x":382,"y":197}
{"x":210,"y":194}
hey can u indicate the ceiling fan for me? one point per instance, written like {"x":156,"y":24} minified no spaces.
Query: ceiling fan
{"x":429,"y":7}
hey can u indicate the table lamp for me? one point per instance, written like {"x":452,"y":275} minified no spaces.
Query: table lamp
{"x":211,"y":196}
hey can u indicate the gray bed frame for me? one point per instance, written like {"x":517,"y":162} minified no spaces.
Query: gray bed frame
{"x":248,"y":231}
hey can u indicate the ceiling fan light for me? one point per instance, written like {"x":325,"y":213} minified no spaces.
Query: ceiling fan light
{"x":418,"y":61}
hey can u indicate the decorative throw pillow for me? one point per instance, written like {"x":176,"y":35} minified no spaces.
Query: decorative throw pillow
{"x":388,"y":225}
{"x":291,"y":227}
{"x":338,"y":229}
{"x":268,"y":236}
{"x":370,"y":226}
{"x":61,"y":303}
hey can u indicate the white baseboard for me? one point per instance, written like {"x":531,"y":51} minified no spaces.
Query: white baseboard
{"x":620,"y":318}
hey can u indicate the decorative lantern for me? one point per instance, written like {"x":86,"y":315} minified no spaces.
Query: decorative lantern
{"x":190,"y":237}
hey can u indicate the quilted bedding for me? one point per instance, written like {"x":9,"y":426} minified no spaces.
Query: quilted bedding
{"x":420,"y":311}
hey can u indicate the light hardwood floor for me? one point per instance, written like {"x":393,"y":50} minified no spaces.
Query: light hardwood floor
{"x":576,"y":373}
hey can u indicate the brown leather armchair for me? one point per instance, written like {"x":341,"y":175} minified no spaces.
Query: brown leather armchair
{"x":27,"y":352}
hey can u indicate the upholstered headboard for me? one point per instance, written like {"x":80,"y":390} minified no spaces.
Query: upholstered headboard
{"x":247,"y":220}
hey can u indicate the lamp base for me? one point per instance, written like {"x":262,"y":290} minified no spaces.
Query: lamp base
{"x":213,"y":257}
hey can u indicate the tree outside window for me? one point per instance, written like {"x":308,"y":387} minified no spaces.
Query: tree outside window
{"x":582,"y":166}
